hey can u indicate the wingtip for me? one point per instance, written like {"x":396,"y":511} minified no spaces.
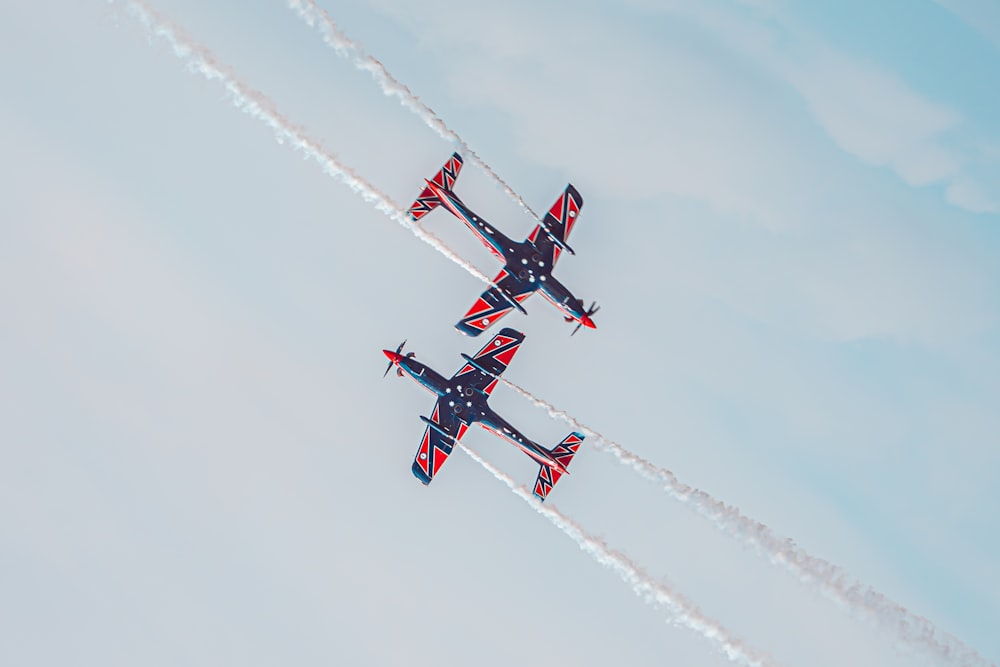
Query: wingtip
{"x":573,"y":192}
{"x":467,"y":330}
{"x":512,"y":333}
{"x":420,"y":474}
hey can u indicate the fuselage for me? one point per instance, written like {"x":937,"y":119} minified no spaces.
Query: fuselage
{"x":527,"y":262}
{"x":470,"y":405}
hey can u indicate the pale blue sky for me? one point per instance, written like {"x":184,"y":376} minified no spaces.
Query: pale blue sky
{"x":791,"y":223}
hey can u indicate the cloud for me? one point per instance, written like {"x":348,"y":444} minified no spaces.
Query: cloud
{"x":983,"y":16}
{"x":866,"y":109}
{"x":968,"y":194}
{"x":873,"y":115}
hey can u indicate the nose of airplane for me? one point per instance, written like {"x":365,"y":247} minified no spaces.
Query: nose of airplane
{"x":587,"y":322}
{"x":394,"y":357}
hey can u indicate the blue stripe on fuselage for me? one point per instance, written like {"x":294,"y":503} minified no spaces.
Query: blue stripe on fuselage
{"x":557,"y":294}
{"x":430,"y":379}
{"x":496,"y":424}
{"x":492,"y":238}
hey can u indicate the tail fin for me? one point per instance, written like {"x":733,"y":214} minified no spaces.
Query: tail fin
{"x":548,"y":475}
{"x":446,"y":177}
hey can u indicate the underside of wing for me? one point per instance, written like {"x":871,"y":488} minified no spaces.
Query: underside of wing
{"x":443,"y":432}
{"x":493,"y":305}
{"x":483,"y":370}
{"x":558,"y":223}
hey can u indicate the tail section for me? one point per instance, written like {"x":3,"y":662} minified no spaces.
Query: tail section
{"x":445,"y":178}
{"x":549,"y":475}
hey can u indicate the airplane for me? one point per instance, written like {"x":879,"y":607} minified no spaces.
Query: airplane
{"x":527,"y":265}
{"x":463,"y":400}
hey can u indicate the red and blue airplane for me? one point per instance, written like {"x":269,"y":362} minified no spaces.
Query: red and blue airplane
{"x":527,"y":265}
{"x":463,"y":400}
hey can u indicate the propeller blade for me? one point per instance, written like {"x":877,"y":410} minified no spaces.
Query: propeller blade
{"x":398,"y":350}
{"x":576,"y":329}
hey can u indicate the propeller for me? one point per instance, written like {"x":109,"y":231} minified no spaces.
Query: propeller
{"x":585,"y":320}
{"x":393,"y":357}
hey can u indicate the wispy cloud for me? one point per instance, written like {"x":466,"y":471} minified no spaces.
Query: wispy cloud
{"x":983,"y":16}
{"x":866,"y":108}
{"x":872,"y":114}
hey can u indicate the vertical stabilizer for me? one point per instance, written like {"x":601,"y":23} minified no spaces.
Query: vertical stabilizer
{"x":549,"y":475}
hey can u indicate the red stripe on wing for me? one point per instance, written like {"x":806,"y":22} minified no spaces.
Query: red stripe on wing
{"x":508,"y":354}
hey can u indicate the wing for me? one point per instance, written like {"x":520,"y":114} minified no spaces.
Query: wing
{"x":491,"y":306}
{"x":426,"y":201}
{"x":443,"y":432}
{"x":559,"y":221}
{"x":483,"y":370}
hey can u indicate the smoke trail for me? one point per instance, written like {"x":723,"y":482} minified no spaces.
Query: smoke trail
{"x":257,"y":105}
{"x":318,"y":18}
{"x":862,"y":600}
{"x":684,"y":613}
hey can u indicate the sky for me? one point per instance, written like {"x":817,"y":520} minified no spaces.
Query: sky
{"x":791,"y":221}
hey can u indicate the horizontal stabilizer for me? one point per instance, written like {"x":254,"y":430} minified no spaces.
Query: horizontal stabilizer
{"x":549,"y":475}
{"x":445,"y":178}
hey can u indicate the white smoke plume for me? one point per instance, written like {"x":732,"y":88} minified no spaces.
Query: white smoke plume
{"x":318,"y":18}
{"x":255,"y":104}
{"x":683,"y":612}
{"x":866,"y":603}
